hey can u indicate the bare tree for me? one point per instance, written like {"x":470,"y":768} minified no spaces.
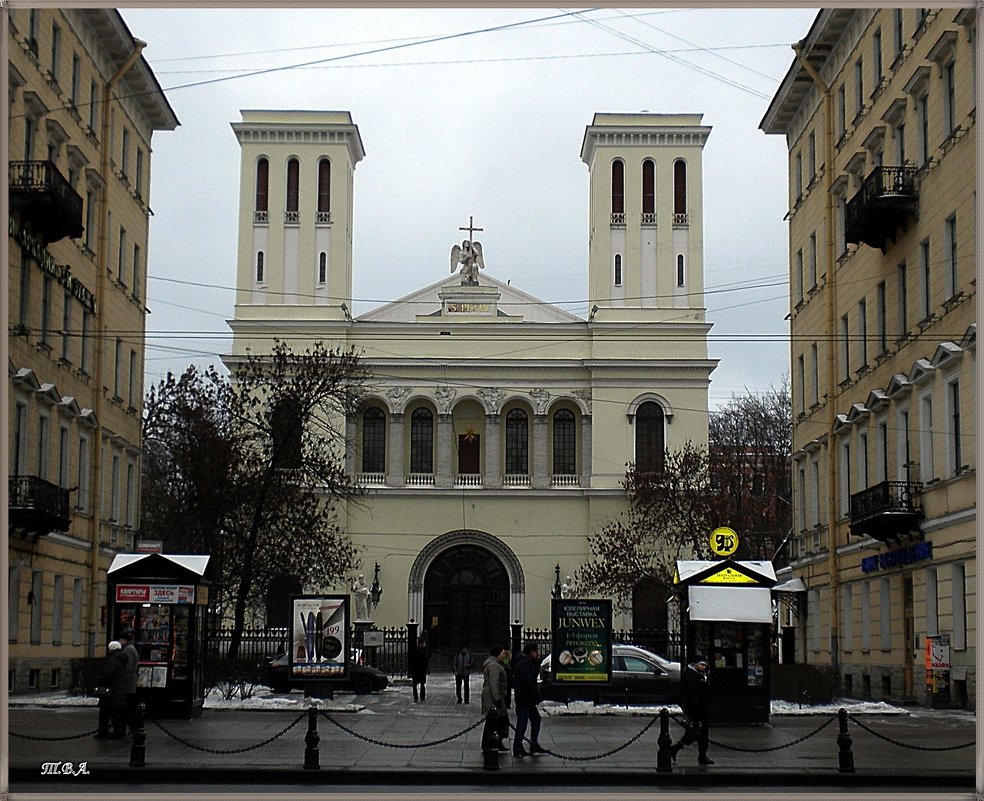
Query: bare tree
{"x":250,"y":468}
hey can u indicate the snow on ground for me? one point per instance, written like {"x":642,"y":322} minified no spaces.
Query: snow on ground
{"x":398,"y":697}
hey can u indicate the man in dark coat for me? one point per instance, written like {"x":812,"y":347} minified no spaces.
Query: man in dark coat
{"x":112,"y":709}
{"x":132,"y":658}
{"x":418,"y":670}
{"x":695,"y":707}
{"x":526,"y":667}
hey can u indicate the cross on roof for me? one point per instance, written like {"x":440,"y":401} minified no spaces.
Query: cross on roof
{"x":471,"y":229}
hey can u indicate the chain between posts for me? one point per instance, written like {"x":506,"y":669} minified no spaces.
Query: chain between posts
{"x":615,"y":750}
{"x":906,"y":745}
{"x":373,"y":741}
{"x":686,"y":725}
{"x":243,"y":750}
{"x":53,"y":739}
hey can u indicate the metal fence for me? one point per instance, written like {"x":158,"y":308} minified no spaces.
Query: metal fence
{"x":259,"y":644}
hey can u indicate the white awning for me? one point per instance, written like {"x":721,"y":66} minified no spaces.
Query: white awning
{"x":738,"y":604}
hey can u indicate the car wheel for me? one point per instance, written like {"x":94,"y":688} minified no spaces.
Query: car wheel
{"x":362,"y":685}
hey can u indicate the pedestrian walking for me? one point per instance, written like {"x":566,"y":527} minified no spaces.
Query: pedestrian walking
{"x":494,"y":694}
{"x":112,"y":707}
{"x":696,"y":708}
{"x":419,"y":665}
{"x":132,"y":659}
{"x":461,"y":666}
{"x":526,"y":667}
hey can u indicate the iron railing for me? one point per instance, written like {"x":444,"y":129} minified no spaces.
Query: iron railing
{"x":882,"y":182}
{"x":33,"y":494}
{"x":37,"y":178}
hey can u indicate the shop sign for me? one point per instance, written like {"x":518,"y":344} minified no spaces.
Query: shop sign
{"x":582,"y":640}
{"x":898,"y":558}
{"x":62,"y":273}
{"x":155,"y":593}
{"x":319,"y":636}
{"x":729,"y":575}
{"x":724,"y":541}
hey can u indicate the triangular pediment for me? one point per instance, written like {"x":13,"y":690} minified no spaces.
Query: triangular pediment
{"x":899,"y":385}
{"x":969,"y":340}
{"x":922,"y":370}
{"x":946,"y":354}
{"x":427,"y":302}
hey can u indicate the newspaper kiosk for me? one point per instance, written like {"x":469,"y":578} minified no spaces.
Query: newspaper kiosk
{"x":160,"y":601}
{"x":726,"y":616}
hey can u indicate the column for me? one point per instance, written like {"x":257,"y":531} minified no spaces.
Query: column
{"x":541,"y":470}
{"x":493,"y":467}
{"x":446,"y":468}
{"x":395,"y":474}
{"x":586,"y":450}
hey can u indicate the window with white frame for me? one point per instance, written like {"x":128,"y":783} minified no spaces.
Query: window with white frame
{"x":881,"y":322}
{"x":77,"y":611}
{"x":799,"y":177}
{"x":131,"y":495}
{"x":815,"y":496}
{"x":845,"y":478}
{"x":898,"y":34}
{"x":956,"y":455}
{"x":801,"y":382}
{"x":862,"y":333}
{"x":927,"y":278}
{"x":37,"y":603}
{"x":922,"y":117}
{"x":58,"y":610}
{"x":951,"y":256}
{"x":812,"y":259}
{"x":64,"y":457}
{"x":927,"y":470}
{"x":949,"y":99}
{"x":815,"y":371}
{"x":841,"y":112}
{"x":858,"y":85}
{"x":114,"y":514}
{"x":876,"y":48}
{"x":885,"y":624}
{"x":617,"y":275}
{"x":903,"y":297}
{"x":846,"y":347}
{"x":132,"y":378}
{"x":13,"y":601}
{"x":814,"y":611}
{"x":44,"y":445}
{"x":841,"y":224}
{"x":864,"y":476}
{"x":18,"y":462}
{"x":82,"y":496}
{"x":798,"y":276}
{"x":881,"y":432}
{"x":902,"y":447}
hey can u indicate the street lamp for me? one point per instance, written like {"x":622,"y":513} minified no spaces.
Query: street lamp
{"x":375,"y":591}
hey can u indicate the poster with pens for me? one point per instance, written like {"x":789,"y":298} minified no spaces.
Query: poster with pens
{"x":319,"y":647}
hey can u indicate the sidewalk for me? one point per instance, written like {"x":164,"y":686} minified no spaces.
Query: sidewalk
{"x":387,"y":737}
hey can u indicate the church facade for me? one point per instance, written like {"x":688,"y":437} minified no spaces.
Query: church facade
{"x":497,"y":428}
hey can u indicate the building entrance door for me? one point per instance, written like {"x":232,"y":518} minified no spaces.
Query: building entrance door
{"x":466,"y":600}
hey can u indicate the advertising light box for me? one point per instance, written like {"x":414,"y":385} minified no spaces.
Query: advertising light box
{"x":319,"y":637}
{"x":582,"y":641}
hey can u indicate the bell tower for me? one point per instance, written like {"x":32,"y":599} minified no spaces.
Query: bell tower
{"x":645,"y":259}
{"x":295,"y":212}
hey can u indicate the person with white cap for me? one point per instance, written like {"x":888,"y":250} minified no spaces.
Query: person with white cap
{"x":696,"y":708}
{"x":112,"y":707}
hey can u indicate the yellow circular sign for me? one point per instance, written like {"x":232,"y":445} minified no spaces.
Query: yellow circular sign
{"x":724,"y":541}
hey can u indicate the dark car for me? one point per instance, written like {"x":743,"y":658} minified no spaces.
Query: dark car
{"x":637,"y":675}
{"x":361,"y":679}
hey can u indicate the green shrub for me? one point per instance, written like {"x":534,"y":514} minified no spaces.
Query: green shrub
{"x":233,"y":677}
{"x":85,"y":674}
{"x":807,"y":684}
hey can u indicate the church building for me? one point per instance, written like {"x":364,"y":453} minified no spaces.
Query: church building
{"x":497,"y":428}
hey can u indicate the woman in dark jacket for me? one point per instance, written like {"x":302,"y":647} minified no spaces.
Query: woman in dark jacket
{"x":112,"y":709}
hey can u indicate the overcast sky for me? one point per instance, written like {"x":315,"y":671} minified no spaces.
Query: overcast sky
{"x":486,"y":121}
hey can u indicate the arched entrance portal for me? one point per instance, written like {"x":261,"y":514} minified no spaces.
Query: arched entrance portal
{"x":466,"y":599}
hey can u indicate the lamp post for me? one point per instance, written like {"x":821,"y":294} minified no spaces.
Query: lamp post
{"x":375,"y":591}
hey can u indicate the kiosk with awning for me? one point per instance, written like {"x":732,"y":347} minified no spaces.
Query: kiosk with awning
{"x":160,"y":601}
{"x":726,"y":617}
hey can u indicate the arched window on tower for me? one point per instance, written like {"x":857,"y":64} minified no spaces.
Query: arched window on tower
{"x":517,"y":443}
{"x":322,"y":267}
{"x":287,"y":431}
{"x":293,"y":179}
{"x":679,"y":190}
{"x":618,"y":188}
{"x":618,"y":269}
{"x":374,"y":440}
{"x":324,"y":191}
{"x":564,"y":443}
{"x":649,"y":438}
{"x":680,"y":273}
{"x":262,"y":185}
{"x":259,"y":267}
{"x":422,"y":441}
{"x":648,"y":188}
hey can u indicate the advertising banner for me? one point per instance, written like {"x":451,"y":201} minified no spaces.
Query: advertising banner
{"x":155,"y":593}
{"x":319,"y":637}
{"x":582,"y":641}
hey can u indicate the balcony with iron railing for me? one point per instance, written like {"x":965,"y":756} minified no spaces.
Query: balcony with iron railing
{"x":887,"y":199}
{"x":887,"y":511}
{"x":36,"y":507}
{"x":46,"y":199}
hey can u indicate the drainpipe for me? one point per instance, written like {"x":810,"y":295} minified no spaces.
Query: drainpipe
{"x":101,"y":290}
{"x":830,"y":290}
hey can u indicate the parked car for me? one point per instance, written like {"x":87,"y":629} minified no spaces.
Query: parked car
{"x":361,"y":679}
{"x":637,"y":675}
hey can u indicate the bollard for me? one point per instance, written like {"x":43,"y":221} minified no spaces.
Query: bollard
{"x":490,"y":742}
{"x":311,"y":740}
{"x":137,"y":749}
{"x":844,"y":743}
{"x":664,"y":762}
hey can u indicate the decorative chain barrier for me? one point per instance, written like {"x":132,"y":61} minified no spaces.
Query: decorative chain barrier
{"x":243,"y":750}
{"x":913,"y":747}
{"x":686,"y":725}
{"x":54,"y":739}
{"x":443,"y":740}
{"x":609,"y":753}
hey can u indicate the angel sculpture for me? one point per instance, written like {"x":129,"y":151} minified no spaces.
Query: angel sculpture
{"x":469,"y":255}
